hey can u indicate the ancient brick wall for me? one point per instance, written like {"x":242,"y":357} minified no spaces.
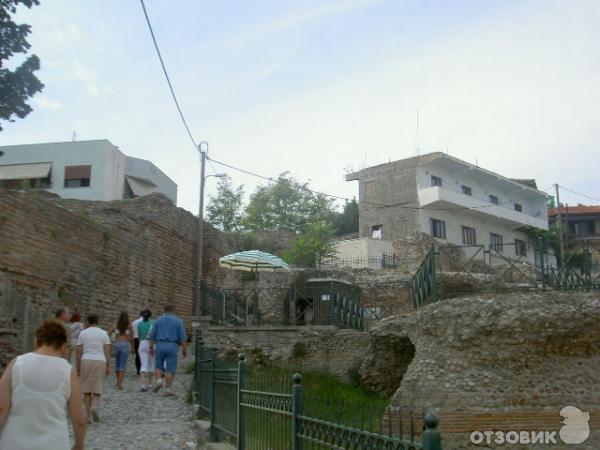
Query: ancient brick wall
{"x":100,"y":257}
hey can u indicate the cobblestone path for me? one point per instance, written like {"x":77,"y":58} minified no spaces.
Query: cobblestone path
{"x":130,"y":419}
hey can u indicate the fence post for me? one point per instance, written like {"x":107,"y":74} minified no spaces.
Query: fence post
{"x":213,"y":404}
{"x":433,"y":278}
{"x":240,"y":410}
{"x":198,"y":351}
{"x":297,"y":406}
{"x":431,"y":438}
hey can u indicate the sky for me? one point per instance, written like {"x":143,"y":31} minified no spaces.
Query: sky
{"x":318,"y":88}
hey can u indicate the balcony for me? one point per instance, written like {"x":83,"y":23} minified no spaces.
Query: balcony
{"x":437,"y":197}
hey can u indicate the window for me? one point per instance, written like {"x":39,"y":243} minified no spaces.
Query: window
{"x":77,"y":176}
{"x":493,"y":199}
{"x":438,"y":228}
{"x":370,"y":192}
{"x":520,"y":247}
{"x":466,"y":190}
{"x":469,"y":235}
{"x":518,"y":207}
{"x":377,"y":232}
{"x":495,"y":242}
{"x":436,"y":181}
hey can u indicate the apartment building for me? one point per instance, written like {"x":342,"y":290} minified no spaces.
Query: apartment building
{"x":85,"y":170}
{"x":452,"y":200}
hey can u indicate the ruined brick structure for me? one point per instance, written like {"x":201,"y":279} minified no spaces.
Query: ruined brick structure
{"x":101,"y":257}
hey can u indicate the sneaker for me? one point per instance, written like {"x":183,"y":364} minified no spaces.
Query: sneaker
{"x":144,"y":389}
{"x":157,"y":386}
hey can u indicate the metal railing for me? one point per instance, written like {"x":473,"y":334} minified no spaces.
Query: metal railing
{"x":423,"y":287}
{"x":316,"y":303}
{"x":252,"y":411}
{"x":384,"y":261}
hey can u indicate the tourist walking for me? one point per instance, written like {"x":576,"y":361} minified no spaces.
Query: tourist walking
{"x":166,"y":335}
{"x":76,"y":327}
{"x":36,"y":391}
{"x":146,"y":358}
{"x":122,"y":347}
{"x":136,"y":342}
{"x":62,"y":315}
{"x":93,"y":364}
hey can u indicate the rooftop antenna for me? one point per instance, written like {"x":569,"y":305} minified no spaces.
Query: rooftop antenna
{"x":476,"y":163}
{"x":417,"y":131}
{"x":73,"y":136}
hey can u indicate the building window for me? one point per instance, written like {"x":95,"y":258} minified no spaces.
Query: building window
{"x":370,"y":192}
{"x":495,"y":242}
{"x":436,"y":181}
{"x":518,"y":207}
{"x":466,"y":190}
{"x":438,"y":228}
{"x":77,"y":176}
{"x":520,"y":247}
{"x":377,"y":232}
{"x":493,"y":199}
{"x":469,"y":236}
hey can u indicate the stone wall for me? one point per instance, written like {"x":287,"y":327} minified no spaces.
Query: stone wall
{"x":322,"y":348}
{"x":100,"y":257}
{"x":504,"y":362}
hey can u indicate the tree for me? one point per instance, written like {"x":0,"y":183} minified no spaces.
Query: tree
{"x":286,"y":205}
{"x":347,"y":221}
{"x":313,"y":245}
{"x":225,"y":209}
{"x":18,"y":85}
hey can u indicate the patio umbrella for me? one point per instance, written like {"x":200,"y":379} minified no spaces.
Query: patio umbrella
{"x":254,"y":261}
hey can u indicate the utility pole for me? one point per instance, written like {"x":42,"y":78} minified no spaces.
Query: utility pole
{"x":560,"y":230}
{"x":200,"y":251}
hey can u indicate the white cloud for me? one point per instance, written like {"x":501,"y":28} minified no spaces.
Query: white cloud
{"x":89,"y":79}
{"x":46,"y":103}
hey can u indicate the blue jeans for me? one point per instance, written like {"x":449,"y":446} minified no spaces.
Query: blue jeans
{"x":121,"y":352}
{"x":166,"y":351}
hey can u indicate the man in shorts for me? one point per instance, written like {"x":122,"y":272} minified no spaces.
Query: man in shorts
{"x":166,"y":335}
{"x":62,"y":315}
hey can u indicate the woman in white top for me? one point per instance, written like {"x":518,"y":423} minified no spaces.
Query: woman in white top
{"x":93,"y":364}
{"x":36,"y":391}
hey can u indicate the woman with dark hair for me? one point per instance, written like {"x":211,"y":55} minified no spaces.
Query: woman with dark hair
{"x":122,"y":346}
{"x":36,"y":392}
{"x":146,"y":358}
{"x":76,"y":326}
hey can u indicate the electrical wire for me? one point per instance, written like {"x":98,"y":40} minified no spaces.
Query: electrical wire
{"x":398,"y":205}
{"x":162,"y":63}
{"x":578,"y":193}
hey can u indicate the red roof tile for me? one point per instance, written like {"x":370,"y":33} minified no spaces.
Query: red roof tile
{"x":572,"y":210}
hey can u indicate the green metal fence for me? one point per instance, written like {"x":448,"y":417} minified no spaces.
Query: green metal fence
{"x":319,"y":302}
{"x":254,"y":412}
{"x":423,"y":287}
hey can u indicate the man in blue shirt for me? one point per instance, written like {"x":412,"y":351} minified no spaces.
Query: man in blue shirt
{"x":166,"y":335}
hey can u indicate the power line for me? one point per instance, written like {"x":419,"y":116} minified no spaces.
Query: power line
{"x":162,"y":63}
{"x":274,"y":180}
{"x":578,"y":193}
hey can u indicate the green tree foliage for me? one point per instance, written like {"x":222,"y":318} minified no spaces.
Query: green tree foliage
{"x":18,"y":85}
{"x":224,"y":210}
{"x":311,"y":246}
{"x":287,"y":205}
{"x":347,"y":221}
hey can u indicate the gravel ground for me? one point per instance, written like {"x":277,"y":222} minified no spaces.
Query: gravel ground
{"x":130,"y":419}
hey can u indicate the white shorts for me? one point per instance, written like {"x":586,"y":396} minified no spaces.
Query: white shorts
{"x":146,"y":358}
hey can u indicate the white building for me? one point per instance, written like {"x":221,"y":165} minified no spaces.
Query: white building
{"x":451,"y":200}
{"x":85,"y":170}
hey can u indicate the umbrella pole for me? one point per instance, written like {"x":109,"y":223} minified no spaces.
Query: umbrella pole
{"x":256,"y":286}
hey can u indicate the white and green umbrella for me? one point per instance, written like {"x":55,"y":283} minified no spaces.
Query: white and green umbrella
{"x":254,"y":261}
